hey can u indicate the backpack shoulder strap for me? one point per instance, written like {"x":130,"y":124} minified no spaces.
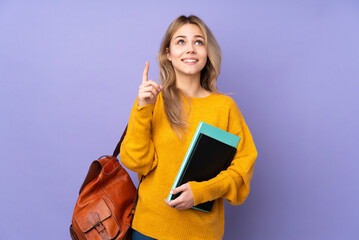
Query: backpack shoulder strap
{"x":117,"y":149}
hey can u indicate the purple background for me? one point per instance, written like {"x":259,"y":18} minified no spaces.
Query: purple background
{"x":70,"y":71}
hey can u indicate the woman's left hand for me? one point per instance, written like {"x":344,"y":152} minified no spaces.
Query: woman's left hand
{"x":183,"y":201}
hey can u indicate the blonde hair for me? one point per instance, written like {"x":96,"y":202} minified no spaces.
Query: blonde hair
{"x":171,"y":94}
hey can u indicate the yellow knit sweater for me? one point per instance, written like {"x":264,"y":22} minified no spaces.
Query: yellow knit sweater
{"x":152,"y":149}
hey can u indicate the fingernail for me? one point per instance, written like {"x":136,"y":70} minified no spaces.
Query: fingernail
{"x":171,"y":192}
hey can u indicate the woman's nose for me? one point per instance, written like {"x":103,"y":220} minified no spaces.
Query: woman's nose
{"x":191,"y":48}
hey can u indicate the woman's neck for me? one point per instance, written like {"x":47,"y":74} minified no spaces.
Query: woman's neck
{"x":190,"y":86}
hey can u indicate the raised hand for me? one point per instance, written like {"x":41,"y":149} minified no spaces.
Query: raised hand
{"x":148,"y":90}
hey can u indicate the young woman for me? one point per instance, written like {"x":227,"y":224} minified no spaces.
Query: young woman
{"x":162,"y":123}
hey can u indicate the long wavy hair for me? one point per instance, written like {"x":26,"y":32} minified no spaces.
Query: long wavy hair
{"x":171,"y":94}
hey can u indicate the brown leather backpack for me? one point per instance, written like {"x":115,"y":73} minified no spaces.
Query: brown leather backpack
{"x":105,"y":207}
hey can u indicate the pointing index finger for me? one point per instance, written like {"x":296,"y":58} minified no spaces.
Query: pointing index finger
{"x":145,"y":73}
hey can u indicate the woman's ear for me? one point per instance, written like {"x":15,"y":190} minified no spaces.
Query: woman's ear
{"x":168,"y":54}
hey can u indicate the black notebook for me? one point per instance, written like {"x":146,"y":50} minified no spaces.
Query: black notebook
{"x":210,"y":152}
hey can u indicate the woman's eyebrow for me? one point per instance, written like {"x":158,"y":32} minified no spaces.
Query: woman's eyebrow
{"x":182,"y":36}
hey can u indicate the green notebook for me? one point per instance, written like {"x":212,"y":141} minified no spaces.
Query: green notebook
{"x":210,"y":152}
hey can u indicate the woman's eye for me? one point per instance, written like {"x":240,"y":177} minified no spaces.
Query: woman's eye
{"x":180,"y":42}
{"x":199,"y":42}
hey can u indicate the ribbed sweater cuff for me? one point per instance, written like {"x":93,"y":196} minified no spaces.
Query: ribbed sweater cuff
{"x":139,"y":125}
{"x":208,"y":190}
{"x":221,"y":186}
{"x":145,"y":109}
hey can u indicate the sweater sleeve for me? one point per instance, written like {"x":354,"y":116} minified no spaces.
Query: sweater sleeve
{"x":137,"y":151}
{"x":233,"y":184}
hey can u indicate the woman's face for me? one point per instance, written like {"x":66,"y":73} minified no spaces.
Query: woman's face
{"x":187,"y":51}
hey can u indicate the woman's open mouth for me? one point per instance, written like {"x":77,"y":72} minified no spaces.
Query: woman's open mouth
{"x":190,"y":60}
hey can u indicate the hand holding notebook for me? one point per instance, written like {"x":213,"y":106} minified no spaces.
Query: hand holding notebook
{"x":210,"y":152}
{"x":186,"y":200}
